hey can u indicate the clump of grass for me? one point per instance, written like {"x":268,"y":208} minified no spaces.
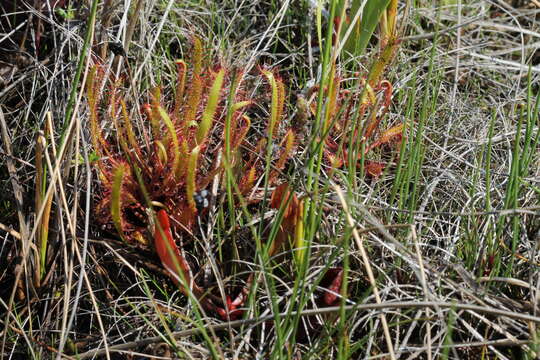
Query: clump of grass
{"x":441,"y":234}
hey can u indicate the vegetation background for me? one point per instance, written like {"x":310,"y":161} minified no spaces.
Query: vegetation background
{"x":423,"y":242}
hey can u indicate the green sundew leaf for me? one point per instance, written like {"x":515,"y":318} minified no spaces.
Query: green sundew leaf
{"x":193,"y":98}
{"x":239,"y":105}
{"x":90,"y":87}
{"x":162,"y":152}
{"x":280,"y":99}
{"x":211,"y":106}
{"x":191,"y":176}
{"x":197,"y":55}
{"x":121,"y":135}
{"x":129,"y":130}
{"x":116,"y":202}
{"x":172,"y":133}
{"x":95,"y":131}
{"x":184,"y":152}
{"x":194,"y":92}
{"x":275,"y":101}
{"x":154,"y":113}
{"x":380,"y":64}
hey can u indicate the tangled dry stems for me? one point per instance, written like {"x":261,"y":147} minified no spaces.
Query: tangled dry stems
{"x":450,"y":210}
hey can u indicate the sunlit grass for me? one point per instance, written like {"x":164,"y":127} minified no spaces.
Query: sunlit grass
{"x":298,"y":157}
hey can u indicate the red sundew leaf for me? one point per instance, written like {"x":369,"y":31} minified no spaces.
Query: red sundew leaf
{"x":169,"y":254}
{"x":147,"y":110}
{"x":101,"y":146}
{"x":333,"y":96}
{"x":388,"y":89}
{"x":291,"y":227}
{"x":233,"y":314}
{"x":239,"y":300}
{"x":222,"y":313}
{"x":236,"y":314}
{"x":332,"y":282}
{"x":281,"y":194}
{"x":281,"y":97}
{"x":374,"y":168}
{"x":230,"y":311}
{"x":116,"y":198}
{"x":287,"y":145}
{"x":241,"y":131}
{"x":183,"y":214}
{"x":488,"y":266}
{"x":331,"y":145}
{"x":248,"y":180}
{"x":330,"y":153}
{"x":394,"y":134}
{"x":180,"y":87}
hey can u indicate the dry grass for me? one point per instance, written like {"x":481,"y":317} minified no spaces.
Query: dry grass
{"x":452,"y":256}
